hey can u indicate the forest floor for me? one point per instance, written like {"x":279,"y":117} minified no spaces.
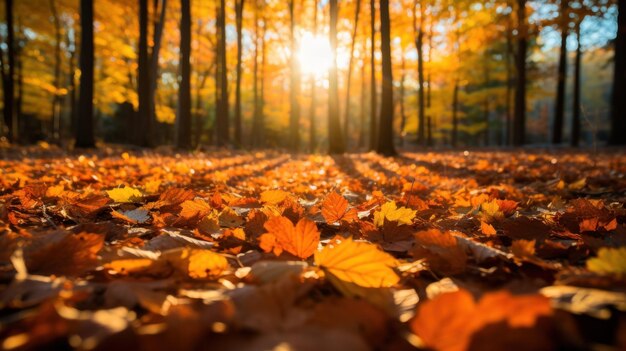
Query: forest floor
{"x":483,"y":250}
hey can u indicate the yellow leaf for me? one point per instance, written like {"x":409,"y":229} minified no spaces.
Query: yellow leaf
{"x":356,"y":262}
{"x":152,"y":187}
{"x":273,"y":196}
{"x":487,"y":229}
{"x":197,"y":263}
{"x":609,"y":261}
{"x":490,"y":211}
{"x":125,"y":194}
{"x":392,"y":213}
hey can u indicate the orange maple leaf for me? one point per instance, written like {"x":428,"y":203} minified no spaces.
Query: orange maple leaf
{"x":300,"y":240}
{"x":335,"y":209}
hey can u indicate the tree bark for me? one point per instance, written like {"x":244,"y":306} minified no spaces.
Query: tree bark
{"x":402,"y":112}
{"x":335,"y":144}
{"x":55,"y":120}
{"x":419,"y":44}
{"x":455,"y":109}
{"x":575,"y":140}
{"x":385,"y":139}
{"x":85,"y":126}
{"x":154,"y":67}
{"x":346,"y":114}
{"x":294,"y":85}
{"x":142,"y":136}
{"x":222,"y":119}
{"x":313,"y":84}
{"x":559,"y":106}
{"x":184,"y":91}
{"x":9,"y":75}
{"x":239,"y":4}
{"x":618,"y":102}
{"x":509,"y":81}
{"x":519,"y":117}
{"x":373,"y":93}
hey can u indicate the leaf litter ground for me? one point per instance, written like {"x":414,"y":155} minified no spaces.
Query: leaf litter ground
{"x":480,"y":250}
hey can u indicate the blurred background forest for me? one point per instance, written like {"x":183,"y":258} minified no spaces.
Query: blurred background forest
{"x":314,"y":75}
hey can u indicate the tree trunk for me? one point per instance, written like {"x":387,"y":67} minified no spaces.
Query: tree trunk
{"x":55,"y":120}
{"x":509,"y":81}
{"x":294,"y":85}
{"x":455,"y":109}
{"x":373,"y":93}
{"x":9,"y":74}
{"x":85,"y":126}
{"x":362,"y":133}
{"x":346,"y":114}
{"x":239,"y":22}
{"x":430,"y":127}
{"x":313,"y":84}
{"x":184,"y":91}
{"x":519,"y":118}
{"x":574,"y":141}
{"x":335,"y":144}
{"x":143,"y":78}
{"x":154,"y":68}
{"x":559,"y":106}
{"x":71,"y":77}
{"x":385,"y":138}
{"x":222,"y":118}
{"x":402,"y":113}
{"x":419,"y":44}
{"x":618,"y":102}
{"x":256,"y":116}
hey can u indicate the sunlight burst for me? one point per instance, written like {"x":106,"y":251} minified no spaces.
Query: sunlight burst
{"x":314,"y":54}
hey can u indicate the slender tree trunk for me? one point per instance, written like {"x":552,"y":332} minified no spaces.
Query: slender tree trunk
{"x":9,"y":75}
{"x":419,"y":44}
{"x":184,"y":91}
{"x":294,"y":85}
{"x":519,"y":118}
{"x":222,"y":119}
{"x":71,"y":77}
{"x":574,"y":141}
{"x":618,"y":102}
{"x":559,"y":106}
{"x":239,"y":4}
{"x":429,"y":118}
{"x":313,"y":84}
{"x":154,"y":69}
{"x":335,"y":144}
{"x":255,"y":137}
{"x":143,"y":78}
{"x":402,"y":113}
{"x":363,"y":116}
{"x":455,"y":109}
{"x":84,"y":126}
{"x":346,"y":114}
{"x":509,"y":81}
{"x":373,"y":93}
{"x":385,"y":138}
{"x":55,"y":120}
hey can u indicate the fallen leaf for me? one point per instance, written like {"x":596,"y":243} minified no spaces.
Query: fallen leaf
{"x":300,"y":240}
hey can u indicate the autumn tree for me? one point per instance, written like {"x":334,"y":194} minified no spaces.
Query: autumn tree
{"x":418,"y":29}
{"x":335,"y":142}
{"x":618,"y":100}
{"x":373,"y":94}
{"x":519,"y":116}
{"x":84,"y":133}
{"x":8,"y":75}
{"x":385,"y":139}
{"x":294,"y":82}
{"x":239,"y":5}
{"x":143,"y":136}
{"x":222,"y":128}
{"x":559,"y":105}
{"x":184,"y":93}
{"x":347,"y":109}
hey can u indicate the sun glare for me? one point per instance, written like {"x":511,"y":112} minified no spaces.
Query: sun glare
{"x":314,"y":54}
